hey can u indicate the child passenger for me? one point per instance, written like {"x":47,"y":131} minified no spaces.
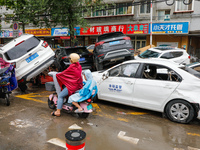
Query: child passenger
{"x":85,"y":92}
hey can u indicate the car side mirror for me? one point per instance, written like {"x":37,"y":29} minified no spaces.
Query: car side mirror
{"x":105,"y":75}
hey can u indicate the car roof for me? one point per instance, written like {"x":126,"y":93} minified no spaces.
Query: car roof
{"x":165,"y":49}
{"x":13,"y":42}
{"x":155,"y":61}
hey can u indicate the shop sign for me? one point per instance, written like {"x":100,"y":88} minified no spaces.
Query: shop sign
{"x":137,"y":28}
{"x":170,"y":28}
{"x":97,"y":30}
{"x":39,"y":32}
{"x":64,"y":31}
{"x":9,"y":33}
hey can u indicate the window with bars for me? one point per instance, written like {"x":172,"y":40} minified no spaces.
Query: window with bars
{"x":115,"y":9}
{"x":145,"y":8}
{"x":180,"y":6}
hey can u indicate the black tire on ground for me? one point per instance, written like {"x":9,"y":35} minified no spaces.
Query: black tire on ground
{"x":7,"y":100}
{"x":51,"y":104}
{"x":180,"y":111}
{"x":22,"y":86}
{"x":83,"y":115}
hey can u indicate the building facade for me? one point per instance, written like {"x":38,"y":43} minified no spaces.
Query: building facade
{"x":174,"y":24}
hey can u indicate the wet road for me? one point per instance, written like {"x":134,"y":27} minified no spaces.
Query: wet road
{"x":27,"y":125}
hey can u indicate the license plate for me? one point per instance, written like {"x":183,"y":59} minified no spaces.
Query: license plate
{"x":89,"y":107}
{"x":82,"y":59}
{"x":114,"y":42}
{"x":32,"y":57}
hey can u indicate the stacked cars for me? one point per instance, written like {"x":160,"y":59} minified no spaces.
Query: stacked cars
{"x":111,"y":47}
{"x":29,"y":55}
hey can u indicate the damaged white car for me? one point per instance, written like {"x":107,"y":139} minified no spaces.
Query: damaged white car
{"x":156,"y":85}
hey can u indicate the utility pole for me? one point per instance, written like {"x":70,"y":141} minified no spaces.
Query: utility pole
{"x":151,"y":10}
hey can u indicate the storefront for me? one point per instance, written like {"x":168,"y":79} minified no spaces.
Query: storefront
{"x":170,"y":34}
{"x":7,"y":35}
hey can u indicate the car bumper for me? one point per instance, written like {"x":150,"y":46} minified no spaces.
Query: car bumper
{"x":39,"y":69}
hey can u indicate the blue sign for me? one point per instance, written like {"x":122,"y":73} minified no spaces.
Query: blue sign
{"x":170,"y":28}
{"x":64,"y":31}
{"x":115,"y":87}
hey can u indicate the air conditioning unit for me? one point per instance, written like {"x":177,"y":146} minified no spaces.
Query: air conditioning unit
{"x":167,"y":17}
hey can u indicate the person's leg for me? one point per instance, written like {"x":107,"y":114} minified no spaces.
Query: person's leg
{"x":77,"y":105}
{"x":61,"y":96}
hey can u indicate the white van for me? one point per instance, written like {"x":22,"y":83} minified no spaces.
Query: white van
{"x":29,"y":55}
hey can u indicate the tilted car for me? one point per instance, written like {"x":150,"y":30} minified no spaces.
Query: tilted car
{"x":165,"y":52}
{"x":29,"y":55}
{"x":62,"y":57}
{"x":112,"y":47}
{"x":153,"y":84}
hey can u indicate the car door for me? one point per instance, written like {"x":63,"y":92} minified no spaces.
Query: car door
{"x":153,"y":89}
{"x":118,"y":86}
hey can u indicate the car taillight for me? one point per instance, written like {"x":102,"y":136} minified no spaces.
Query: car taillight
{"x":20,"y":81}
{"x":45,"y":44}
{"x":127,"y":38}
{"x":64,"y":57}
{"x":14,"y":64}
{"x":189,"y":56}
{"x":100,"y":55}
{"x":99,"y":43}
{"x":19,"y":43}
{"x":131,"y":49}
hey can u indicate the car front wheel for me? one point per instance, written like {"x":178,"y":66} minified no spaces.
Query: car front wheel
{"x":180,"y":111}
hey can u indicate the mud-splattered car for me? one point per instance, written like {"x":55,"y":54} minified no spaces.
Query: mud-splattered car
{"x":158,"y":85}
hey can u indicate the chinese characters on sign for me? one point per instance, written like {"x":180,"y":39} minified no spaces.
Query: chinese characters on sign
{"x":39,"y":32}
{"x":113,"y":88}
{"x":97,"y":30}
{"x":174,"y":28}
{"x":137,"y":28}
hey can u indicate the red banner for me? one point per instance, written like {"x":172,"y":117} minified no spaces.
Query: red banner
{"x":98,"y":30}
{"x":137,"y":28}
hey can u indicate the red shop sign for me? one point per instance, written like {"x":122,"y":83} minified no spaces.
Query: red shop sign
{"x":98,"y":30}
{"x":137,"y":28}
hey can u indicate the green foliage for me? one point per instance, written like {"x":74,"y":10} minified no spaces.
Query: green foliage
{"x":52,"y":13}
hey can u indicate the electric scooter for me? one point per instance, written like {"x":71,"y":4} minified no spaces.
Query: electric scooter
{"x":70,"y":108}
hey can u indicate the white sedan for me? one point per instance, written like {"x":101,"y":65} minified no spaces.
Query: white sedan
{"x":156,"y":85}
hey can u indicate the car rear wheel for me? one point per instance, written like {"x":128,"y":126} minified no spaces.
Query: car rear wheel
{"x":180,"y":111}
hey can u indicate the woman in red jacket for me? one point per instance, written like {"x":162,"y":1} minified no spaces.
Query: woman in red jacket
{"x":70,"y":80}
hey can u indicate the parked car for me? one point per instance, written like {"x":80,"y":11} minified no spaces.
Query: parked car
{"x":62,"y":57}
{"x":29,"y":55}
{"x":158,"y":85}
{"x":165,"y":52}
{"x":195,"y":66}
{"x":112,"y":47}
{"x":90,"y":48}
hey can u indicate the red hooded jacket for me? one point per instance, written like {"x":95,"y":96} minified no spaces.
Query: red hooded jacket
{"x":71,"y":78}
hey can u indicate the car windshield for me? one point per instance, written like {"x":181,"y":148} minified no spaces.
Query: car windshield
{"x":109,"y":35}
{"x":192,"y":64}
{"x":148,"y":54}
{"x":23,"y":48}
{"x":191,"y":71}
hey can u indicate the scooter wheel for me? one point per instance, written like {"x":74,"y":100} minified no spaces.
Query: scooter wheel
{"x":7,"y":100}
{"x":83,"y":115}
{"x":51,"y":104}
